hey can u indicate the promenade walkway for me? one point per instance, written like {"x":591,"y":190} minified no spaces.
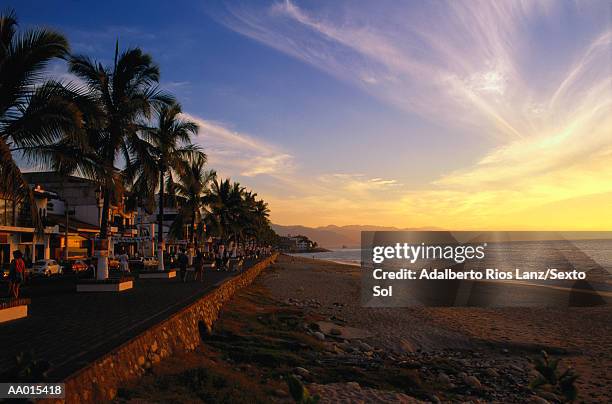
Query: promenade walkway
{"x":71,"y":329}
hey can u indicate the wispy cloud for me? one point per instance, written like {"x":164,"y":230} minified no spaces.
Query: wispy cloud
{"x":470,"y":67}
{"x":235,"y":153}
{"x":357,"y":184}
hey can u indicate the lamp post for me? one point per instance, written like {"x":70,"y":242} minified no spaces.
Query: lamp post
{"x":100,"y":203}
{"x":101,"y":245}
{"x":160,"y":221}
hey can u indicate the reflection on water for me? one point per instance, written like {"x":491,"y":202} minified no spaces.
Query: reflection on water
{"x":588,"y":255}
{"x":350,"y":256}
{"x":594,"y":256}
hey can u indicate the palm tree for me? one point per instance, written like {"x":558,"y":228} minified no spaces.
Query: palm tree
{"x":32,"y":114}
{"x":253,"y":222}
{"x":260,"y":221}
{"x":236,"y":215}
{"x":191,"y":189}
{"x":124,"y":95}
{"x":163,"y":149}
{"x":224,"y":201}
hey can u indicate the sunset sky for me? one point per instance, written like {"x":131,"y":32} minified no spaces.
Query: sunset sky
{"x":459,"y":114}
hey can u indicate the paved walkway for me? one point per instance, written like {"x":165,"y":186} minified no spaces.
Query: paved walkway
{"x":70,"y":329}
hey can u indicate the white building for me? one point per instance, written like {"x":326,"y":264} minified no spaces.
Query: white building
{"x":147,"y":221}
{"x":17,"y":231}
{"x":83,"y":200}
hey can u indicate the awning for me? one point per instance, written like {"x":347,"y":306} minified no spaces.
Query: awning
{"x":73,"y":224}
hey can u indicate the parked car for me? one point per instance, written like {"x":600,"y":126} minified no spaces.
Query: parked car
{"x":113,"y":263}
{"x":143,"y":262}
{"x":76,"y":266}
{"x":150,"y":262}
{"x":45,"y":268}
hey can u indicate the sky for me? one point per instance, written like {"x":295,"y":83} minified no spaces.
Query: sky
{"x":460,"y":114}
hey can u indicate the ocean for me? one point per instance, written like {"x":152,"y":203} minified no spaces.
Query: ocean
{"x":580,"y":254}
{"x":350,"y":256}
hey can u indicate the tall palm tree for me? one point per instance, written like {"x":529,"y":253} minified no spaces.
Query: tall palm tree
{"x":124,"y":95}
{"x":224,"y":202}
{"x":163,"y":149}
{"x":253,"y":218}
{"x":191,"y":189}
{"x":32,"y":114}
{"x":260,"y":222}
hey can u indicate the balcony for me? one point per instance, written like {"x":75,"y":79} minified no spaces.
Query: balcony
{"x":126,"y":230}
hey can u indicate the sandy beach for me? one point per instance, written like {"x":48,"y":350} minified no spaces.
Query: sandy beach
{"x":304,"y":317}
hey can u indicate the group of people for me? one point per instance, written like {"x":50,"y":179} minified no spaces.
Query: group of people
{"x":198,"y":265}
{"x":220,"y":255}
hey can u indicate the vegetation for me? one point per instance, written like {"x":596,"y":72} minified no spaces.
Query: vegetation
{"x":299,"y":393}
{"x":549,"y":377}
{"x":236,"y":215}
{"x":116,"y":127}
{"x":122,"y":96}
{"x":26,"y":368}
{"x":33,"y":112}
{"x":165,"y":148}
{"x":191,"y":188}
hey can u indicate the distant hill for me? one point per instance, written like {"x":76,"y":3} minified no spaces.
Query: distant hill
{"x":335,"y":236}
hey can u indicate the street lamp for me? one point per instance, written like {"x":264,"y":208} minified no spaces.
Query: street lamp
{"x":100,"y":203}
{"x":101,"y":245}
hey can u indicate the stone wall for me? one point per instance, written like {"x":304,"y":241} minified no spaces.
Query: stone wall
{"x":181,"y":332}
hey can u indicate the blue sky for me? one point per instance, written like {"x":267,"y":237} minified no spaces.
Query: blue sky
{"x":405,"y":113}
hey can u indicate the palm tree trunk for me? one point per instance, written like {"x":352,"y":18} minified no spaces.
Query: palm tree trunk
{"x":103,"y":242}
{"x":160,"y":222}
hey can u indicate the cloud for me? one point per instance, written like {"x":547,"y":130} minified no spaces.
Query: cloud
{"x":354,"y":184}
{"x":471,"y":67}
{"x":236,"y":153}
{"x":464,"y":58}
{"x":174,"y":85}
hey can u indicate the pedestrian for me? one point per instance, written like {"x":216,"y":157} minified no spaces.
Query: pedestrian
{"x":124,"y":265}
{"x":182,"y":261}
{"x":17,"y":274}
{"x":91,"y":268}
{"x":222,"y":256}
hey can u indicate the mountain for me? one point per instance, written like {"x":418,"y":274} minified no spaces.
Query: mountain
{"x":336,"y":236}
{"x":324,"y":238}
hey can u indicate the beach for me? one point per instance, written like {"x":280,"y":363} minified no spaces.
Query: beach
{"x":303,"y":317}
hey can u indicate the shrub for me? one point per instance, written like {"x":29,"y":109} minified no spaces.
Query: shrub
{"x":549,"y":375}
{"x":299,"y":392}
{"x":27,"y":368}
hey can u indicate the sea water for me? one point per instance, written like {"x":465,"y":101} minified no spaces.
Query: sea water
{"x":594,"y":255}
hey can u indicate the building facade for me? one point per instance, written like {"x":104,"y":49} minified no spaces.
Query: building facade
{"x":75,"y":207}
{"x":18,"y":232}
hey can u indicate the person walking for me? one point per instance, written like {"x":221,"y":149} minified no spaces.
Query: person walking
{"x":182,"y":261}
{"x":124,"y":264}
{"x":222,"y":257}
{"x":17,"y":274}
